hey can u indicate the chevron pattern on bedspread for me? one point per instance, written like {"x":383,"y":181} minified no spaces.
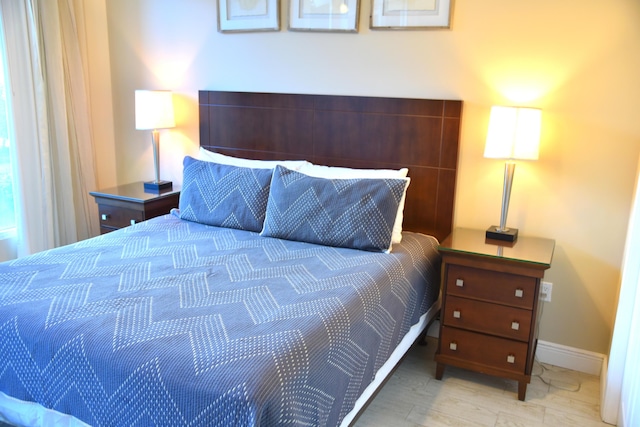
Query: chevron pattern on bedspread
{"x":173,"y":323}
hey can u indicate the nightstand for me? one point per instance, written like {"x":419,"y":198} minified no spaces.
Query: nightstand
{"x":490,"y":304}
{"x":128,"y":204}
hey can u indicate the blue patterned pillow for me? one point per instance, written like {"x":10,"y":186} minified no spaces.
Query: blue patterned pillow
{"x":223,"y":195}
{"x":352,"y":213}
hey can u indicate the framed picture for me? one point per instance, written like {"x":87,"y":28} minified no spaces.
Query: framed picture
{"x":248,"y":15}
{"x":410,"y":14}
{"x":324,"y":15}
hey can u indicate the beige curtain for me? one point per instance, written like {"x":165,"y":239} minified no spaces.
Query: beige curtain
{"x":52,"y":126}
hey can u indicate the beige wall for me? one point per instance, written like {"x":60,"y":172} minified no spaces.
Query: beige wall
{"x":577,"y":60}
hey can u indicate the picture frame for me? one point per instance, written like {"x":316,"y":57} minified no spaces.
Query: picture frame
{"x":410,"y":14}
{"x":324,"y":15}
{"x":248,"y":15}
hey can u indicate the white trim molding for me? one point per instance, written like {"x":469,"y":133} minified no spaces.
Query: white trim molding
{"x":609,"y":404}
{"x":573,"y":358}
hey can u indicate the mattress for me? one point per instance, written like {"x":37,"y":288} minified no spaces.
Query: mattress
{"x":171,"y":322}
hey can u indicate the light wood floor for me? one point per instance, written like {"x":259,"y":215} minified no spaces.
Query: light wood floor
{"x":413,"y":397}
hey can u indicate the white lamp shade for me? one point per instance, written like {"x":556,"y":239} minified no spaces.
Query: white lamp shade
{"x":514,"y":133}
{"x":154,"y":109}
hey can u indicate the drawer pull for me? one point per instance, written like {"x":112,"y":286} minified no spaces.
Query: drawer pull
{"x":456,"y":314}
{"x":515,"y":326}
{"x":133,"y":221}
{"x":104,"y":217}
{"x":459,"y":283}
{"x":511,"y":358}
{"x":453,"y":345}
{"x":519,"y":293}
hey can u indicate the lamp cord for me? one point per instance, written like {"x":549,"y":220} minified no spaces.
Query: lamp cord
{"x":572,"y":386}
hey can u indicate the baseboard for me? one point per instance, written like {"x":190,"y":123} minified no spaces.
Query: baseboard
{"x":569,"y":357}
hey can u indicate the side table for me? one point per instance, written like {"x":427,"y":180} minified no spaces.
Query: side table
{"x":129,"y":203}
{"x":491,"y":304}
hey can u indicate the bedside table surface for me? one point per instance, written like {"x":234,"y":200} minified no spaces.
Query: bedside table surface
{"x":133,"y":192}
{"x":533,"y":250}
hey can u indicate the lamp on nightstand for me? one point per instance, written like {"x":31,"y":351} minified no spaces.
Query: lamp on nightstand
{"x":514,"y":134}
{"x":154,"y":111}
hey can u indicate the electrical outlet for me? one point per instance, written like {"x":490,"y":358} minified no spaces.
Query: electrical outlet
{"x":545,"y":291}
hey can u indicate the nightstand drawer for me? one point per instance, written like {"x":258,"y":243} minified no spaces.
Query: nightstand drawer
{"x":505,"y":354}
{"x":508,"y":322}
{"x":118,"y":217}
{"x":486,"y":285}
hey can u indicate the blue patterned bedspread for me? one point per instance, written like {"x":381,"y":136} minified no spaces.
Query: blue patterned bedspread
{"x":173,"y":323}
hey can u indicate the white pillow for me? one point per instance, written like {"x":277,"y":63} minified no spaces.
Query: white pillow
{"x":333,"y":172}
{"x":210,"y":156}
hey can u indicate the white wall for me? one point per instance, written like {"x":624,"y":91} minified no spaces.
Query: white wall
{"x":577,"y":60}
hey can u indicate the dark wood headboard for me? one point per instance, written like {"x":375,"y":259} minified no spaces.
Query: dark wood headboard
{"x":350,"y":131}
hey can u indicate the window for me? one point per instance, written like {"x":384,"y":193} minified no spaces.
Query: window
{"x":7,"y":205}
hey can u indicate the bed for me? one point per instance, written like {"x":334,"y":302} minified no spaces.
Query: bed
{"x":211,"y":316}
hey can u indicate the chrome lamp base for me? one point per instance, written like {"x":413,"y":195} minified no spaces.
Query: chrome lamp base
{"x":157,"y":186}
{"x":507,"y":235}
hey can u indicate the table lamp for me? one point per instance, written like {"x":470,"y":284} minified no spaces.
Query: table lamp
{"x":154,"y":111}
{"x":514,"y":134}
